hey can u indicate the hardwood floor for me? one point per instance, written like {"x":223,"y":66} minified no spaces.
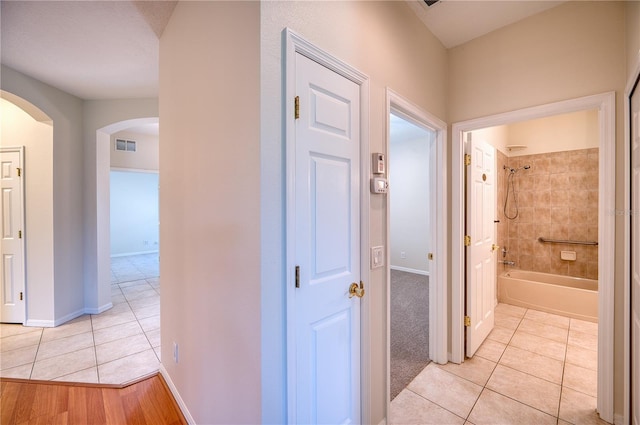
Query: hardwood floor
{"x":146,"y":402}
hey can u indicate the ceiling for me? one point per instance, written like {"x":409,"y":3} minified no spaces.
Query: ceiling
{"x":109,"y":49}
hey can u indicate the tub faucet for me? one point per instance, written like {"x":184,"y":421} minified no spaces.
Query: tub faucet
{"x":504,"y":251}
{"x":508,"y":263}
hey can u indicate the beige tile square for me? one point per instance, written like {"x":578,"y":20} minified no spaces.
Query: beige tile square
{"x":137,"y":295}
{"x":579,"y":408}
{"x":89,"y":376}
{"x":493,"y":408}
{"x":533,"y":364}
{"x":535,"y":392}
{"x":152,"y":300}
{"x":154,"y":337}
{"x":491,"y":350}
{"x":20,"y":340}
{"x":10,"y":329}
{"x":506,"y":321}
{"x":410,"y":408}
{"x":121,"y":348}
{"x":104,"y":335}
{"x":147,"y":311}
{"x":107,"y":320}
{"x":584,"y":340}
{"x":64,"y":345}
{"x":475,"y":369}
{"x":582,"y":357}
{"x":581,"y":379}
{"x":500,"y":334}
{"x":150,"y":323}
{"x":584,"y":326}
{"x":19,"y":357}
{"x":18,"y":372}
{"x":544,"y":330}
{"x":546,"y":347}
{"x":65,"y":364}
{"x":449,"y":391}
{"x":128,"y":368}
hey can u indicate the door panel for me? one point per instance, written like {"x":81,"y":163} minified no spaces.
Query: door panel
{"x":327,"y":246}
{"x":481,"y":260}
{"x":12,"y":264}
{"x":635,"y":257}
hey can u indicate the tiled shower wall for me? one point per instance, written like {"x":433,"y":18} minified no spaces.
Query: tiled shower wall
{"x":557,"y":199}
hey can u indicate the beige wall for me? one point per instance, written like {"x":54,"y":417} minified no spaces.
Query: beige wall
{"x":144,"y":158}
{"x":567,"y":52}
{"x":386,"y":41}
{"x":210,"y":208}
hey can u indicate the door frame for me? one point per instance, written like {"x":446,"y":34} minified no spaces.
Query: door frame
{"x":295,"y":44}
{"x":631,"y":82}
{"x":605,"y":104}
{"x":438,"y":301}
{"x":23,"y":241}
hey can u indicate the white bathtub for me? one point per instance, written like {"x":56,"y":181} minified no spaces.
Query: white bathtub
{"x":567,"y":296}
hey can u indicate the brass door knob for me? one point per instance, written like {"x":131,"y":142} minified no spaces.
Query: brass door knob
{"x":356,"y":290}
{"x":494,"y":247}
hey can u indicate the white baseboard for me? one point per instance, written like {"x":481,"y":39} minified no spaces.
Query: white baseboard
{"x":41,"y":323}
{"x":409,"y":270}
{"x":383,"y":421}
{"x":176,"y":395}
{"x":98,"y":310}
{"x":127,"y":254}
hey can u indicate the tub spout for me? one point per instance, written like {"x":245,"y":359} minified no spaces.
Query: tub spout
{"x":507,"y":262}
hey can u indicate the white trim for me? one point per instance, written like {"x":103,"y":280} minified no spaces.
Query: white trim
{"x":409,"y":270}
{"x":134,"y":170}
{"x":294,"y":43}
{"x":98,"y":310}
{"x":40,"y":323}
{"x":626,"y":410}
{"x":129,"y":254}
{"x":605,"y":103}
{"x":438,"y":274}
{"x":176,"y":395}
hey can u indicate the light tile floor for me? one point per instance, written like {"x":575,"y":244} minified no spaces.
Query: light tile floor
{"x":534,"y":368}
{"x":114,"y":347}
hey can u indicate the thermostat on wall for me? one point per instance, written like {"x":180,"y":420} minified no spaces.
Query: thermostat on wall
{"x":379,"y":185}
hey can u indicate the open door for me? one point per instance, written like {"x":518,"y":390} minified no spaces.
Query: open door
{"x":480,"y":242}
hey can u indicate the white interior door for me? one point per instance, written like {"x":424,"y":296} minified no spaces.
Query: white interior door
{"x":635,"y":257}
{"x":481,"y":259}
{"x":327,"y":246}
{"x":12,"y":264}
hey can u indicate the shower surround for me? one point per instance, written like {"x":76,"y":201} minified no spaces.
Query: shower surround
{"x":557,"y":199}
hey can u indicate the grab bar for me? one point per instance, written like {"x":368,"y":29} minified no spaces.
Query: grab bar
{"x":544,"y":240}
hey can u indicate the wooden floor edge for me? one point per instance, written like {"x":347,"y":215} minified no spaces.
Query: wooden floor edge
{"x":88,"y":384}
{"x":175,"y":403}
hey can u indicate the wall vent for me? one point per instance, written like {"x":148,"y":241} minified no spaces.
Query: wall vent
{"x":125,"y":145}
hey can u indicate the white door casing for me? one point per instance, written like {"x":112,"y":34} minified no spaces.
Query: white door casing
{"x":340,"y":404}
{"x":481,"y":257}
{"x":12,"y":270}
{"x":634,"y":257}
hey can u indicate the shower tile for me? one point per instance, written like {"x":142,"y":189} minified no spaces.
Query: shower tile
{"x":542,"y":213}
{"x":526,"y":217}
{"x":525,"y":247}
{"x":561,"y":182}
{"x":578,"y":269}
{"x":559,"y":198}
{"x":559,"y":266}
{"x":539,"y":248}
{"x":592,"y":270}
{"x":559,"y":231}
{"x":541,"y":182}
{"x":526,"y":230}
{"x":542,"y":198}
{"x":526,"y":262}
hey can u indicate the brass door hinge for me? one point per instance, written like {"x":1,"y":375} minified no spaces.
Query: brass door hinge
{"x":467,"y":321}
{"x":297,"y":276}
{"x":20,"y":296}
{"x":467,"y":159}
{"x":467,"y":240}
{"x":430,"y":256}
{"x":296,"y":108}
{"x":19,"y":171}
{"x":19,"y":234}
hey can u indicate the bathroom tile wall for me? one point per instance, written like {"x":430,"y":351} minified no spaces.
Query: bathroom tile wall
{"x":557,"y":199}
{"x":501,"y":230}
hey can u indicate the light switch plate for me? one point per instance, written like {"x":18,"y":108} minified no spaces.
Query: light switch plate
{"x":377,"y":257}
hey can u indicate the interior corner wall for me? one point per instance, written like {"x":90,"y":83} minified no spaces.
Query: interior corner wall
{"x":61,"y":296}
{"x":386,"y":41}
{"x":210,"y":208}
{"x":632,"y":27}
{"x":98,"y":116}
{"x":573,"y":50}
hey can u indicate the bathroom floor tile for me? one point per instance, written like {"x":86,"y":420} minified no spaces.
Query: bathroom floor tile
{"x":10,"y":329}
{"x":535,"y":392}
{"x":536,"y":344}
{"x":581,"y":379}
{"x":584,"y":326}
{"x":64,"y":345}
{"x":579,"y":408}
{"x":112,"y":333}
{"x":582,"y":357}
{"x":511,"y":310}
{"x":129,"y":368}
{"x":76,"y":326}
{"x":409,"y":408}
{"x":584,"y":340}
{"x":491,"y":350}
{"x":533,"y":364}
{"x":506,"y":321}
{"x":120,"y":348}
{"x":445,"y":389}
{"x":475,"y":369}
{"x":493,"y":408}
{"x":500,"y":334}
{"x":548,"y":318}
{"x":65,"y":364}
{"x":544,"y":330}
{"x":21,"y":340}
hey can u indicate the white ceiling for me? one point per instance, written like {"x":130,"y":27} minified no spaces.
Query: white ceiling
{"x":109,"y":49}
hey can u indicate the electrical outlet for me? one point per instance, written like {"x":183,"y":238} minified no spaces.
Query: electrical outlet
{"x":175,"y":352}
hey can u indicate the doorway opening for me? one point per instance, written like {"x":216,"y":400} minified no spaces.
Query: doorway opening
{"x":604,"y":180}
{"x":409,"y":147}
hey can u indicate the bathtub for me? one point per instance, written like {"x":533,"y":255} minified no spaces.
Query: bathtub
{"x":567,"y":296}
